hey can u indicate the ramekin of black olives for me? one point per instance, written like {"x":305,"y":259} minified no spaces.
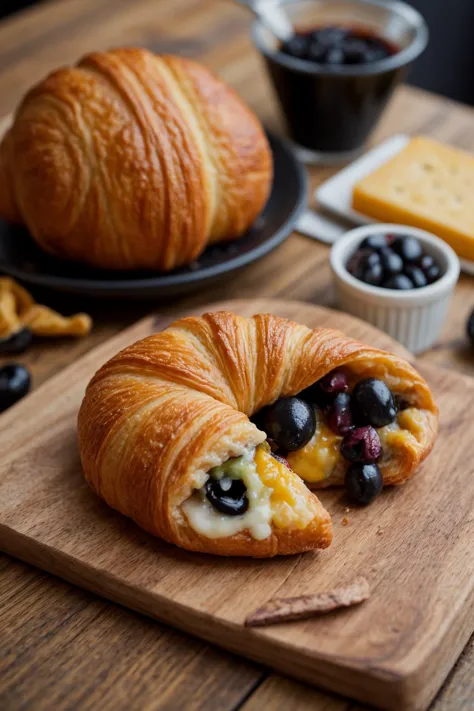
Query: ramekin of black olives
{"x":399,"y":278}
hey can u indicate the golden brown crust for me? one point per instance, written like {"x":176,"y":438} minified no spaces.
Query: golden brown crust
{"x":131,"y":160}
{"x":161,"y":413}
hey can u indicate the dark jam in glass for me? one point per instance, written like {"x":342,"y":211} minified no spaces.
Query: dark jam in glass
{"x":333,"y":101}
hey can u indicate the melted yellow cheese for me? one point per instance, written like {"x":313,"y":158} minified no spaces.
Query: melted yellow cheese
{"x":289,"y":501}
{"x":316,"y":461}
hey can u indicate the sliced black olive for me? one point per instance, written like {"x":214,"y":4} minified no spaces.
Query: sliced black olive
{"x":229,"y":496}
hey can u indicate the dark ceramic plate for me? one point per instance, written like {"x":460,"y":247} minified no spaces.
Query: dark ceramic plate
{"x":21,"y":258}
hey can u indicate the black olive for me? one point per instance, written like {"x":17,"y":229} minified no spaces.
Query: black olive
{"x":15,"y":383}
{"x":373,"y":275}
{"x":392,"y":263}
{"x":399,"y":281}
{"x":361,"y":261}
{"x":364,"y":482}
{"x":470,"y":328}
{"x":362,"y":445}
{"x":16,"y":343}
{"x":375,"y":401}
{"x":416,"y":275}
{"x":229,"y":496}
{"x":409,"y":249}
{"x":290,"y":422}
{"x":433,"y":273}
{"x":376,"y":242}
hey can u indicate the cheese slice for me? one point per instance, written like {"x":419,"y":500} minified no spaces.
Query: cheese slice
{"x":427,"y":185}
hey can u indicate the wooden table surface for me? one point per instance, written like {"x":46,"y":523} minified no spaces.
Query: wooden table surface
{"x":62,"y":648}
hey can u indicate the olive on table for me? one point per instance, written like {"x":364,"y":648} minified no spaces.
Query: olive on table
{"x":374,"y":401}
{"x":16,"y":343}
{"x":15,"y":383}
{"x":290,"y":422}
{"x":470,"y":328}
{"x":363,"y":482}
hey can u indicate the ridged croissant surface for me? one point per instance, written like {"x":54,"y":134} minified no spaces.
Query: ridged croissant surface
{"x":131,"y":160}
{"x":165,"y":435}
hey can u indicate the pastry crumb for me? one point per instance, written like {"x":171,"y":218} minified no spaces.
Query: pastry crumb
{"x":345,"y":521}
{"x":347,"y":509}
{"x":379,"y":531}
{"x":298,"y":608}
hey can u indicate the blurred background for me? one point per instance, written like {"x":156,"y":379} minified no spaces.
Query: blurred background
{"x":447,"y":65}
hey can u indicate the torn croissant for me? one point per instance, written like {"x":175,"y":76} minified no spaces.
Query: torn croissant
{"x":18,"y":310}
{"x":165,"y":435}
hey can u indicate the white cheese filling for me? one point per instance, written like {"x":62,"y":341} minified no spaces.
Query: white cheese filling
{"x":208,"y":522}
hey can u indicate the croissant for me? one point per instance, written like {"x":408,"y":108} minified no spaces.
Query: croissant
{"x":165,"y":435}
{"x":131,"y":160}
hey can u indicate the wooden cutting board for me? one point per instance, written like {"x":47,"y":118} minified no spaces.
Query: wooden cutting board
{"x":415,"y":544}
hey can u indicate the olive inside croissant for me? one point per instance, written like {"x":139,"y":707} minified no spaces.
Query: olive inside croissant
{"x":131,"y":160}
{"x":165,"y":435}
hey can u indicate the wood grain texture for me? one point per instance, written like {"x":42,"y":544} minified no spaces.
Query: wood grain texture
{"x":394,"y":651}
{"x":31,"y":44}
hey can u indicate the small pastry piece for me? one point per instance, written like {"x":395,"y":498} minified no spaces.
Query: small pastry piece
{"x":426,"y":185}
{"x":20,"y":317}
{"x":130,"y":160}
{"x":165,"y":435}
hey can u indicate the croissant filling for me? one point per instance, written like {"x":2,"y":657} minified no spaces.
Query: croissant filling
{"x":251,"y":493}
{"x":338,"y":422}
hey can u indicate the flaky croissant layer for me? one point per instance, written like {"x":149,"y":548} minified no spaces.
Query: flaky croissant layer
{"x":131,"y":160}
{"x":165,"y":411}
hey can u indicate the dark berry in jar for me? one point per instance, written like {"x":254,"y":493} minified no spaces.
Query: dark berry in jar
{"x":392,"y":263}
{"x":432,"y":273}
{"x":335,"y":56}
{"x":16,"y":343}
{"x":339,"y":415}
{"x":400,"y":282}
{"x":376,"y":242}
{"x":373,"y":398}
{"x":361,"y":445}
{"x":15,"y":383}
{"x":416,"y":275}
{"x":290,"y":422}
{"x":470,"y":328}
{"x":329,"y":36}
{"x":363,"y":482}
{"x":229,"y":496}
{"x":317,"y":52}
{"x":297,"y":46}
{"x":409,"y":249}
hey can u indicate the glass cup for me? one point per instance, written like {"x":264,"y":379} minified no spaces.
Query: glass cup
{"x":331,"y":110}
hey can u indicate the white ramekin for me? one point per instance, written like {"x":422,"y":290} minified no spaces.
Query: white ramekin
{"x":413,"y":317}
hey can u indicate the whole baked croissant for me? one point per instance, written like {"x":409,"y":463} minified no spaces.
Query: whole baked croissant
{"x":131,"y":160}
{"x":165,"y":435}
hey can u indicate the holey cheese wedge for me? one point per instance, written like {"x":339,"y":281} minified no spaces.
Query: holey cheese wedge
{"x":426,"y":185}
